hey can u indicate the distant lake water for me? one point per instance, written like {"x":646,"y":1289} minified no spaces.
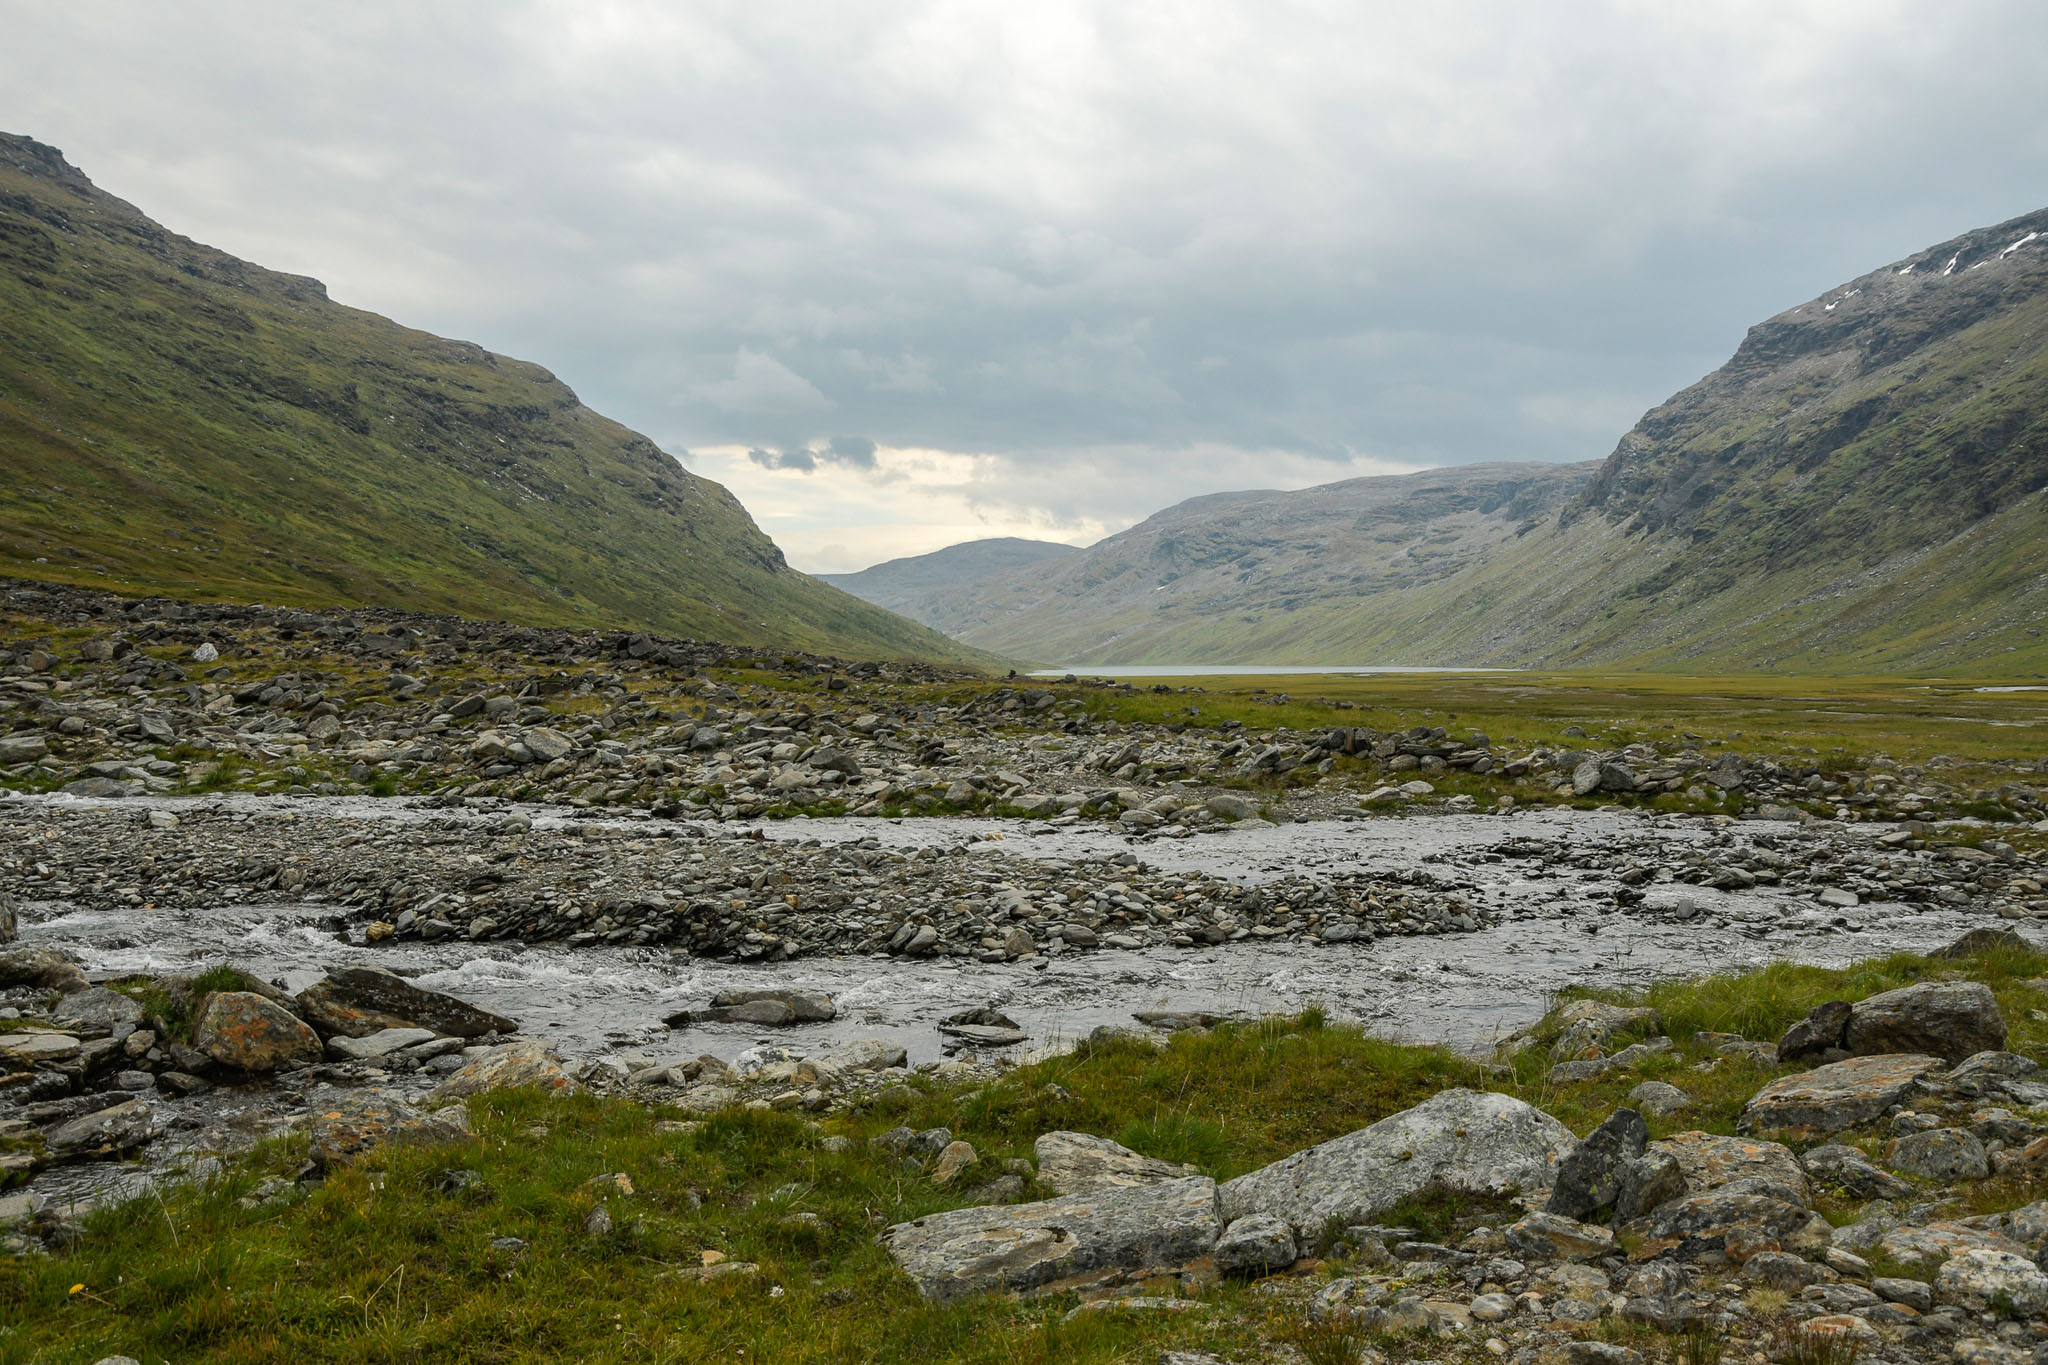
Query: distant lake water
{"x":1246,"y":670}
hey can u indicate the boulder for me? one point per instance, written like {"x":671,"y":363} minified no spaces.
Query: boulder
{"x":1469,"y":1141}
{"x":356,"y":1002}
{"x":243,"y":1030}
{"x":1659,"y":1099}
{"x":22,"y":749}
{"x":508,"y":1067}
{"x":1817,"y":1037}
{"x":1846,"y":1167}
{"x":1589,"y":1180}
{"x":113,"y":1131}
{"x":1709,"y":1161}
{"x":1985,"y":940}
{"x":99,"y":1011}
{"x":1074,"y":1242}
{"x":1551,"y":1237}
{"x":10,"y":919}
{"x":1945,"y":1019}
{"x":1982,"y":1279}
{"x":46,"y":968}
{"x":364,"y":1121}
{"x":1944,"y":1154}
{"x":1937,"y":1242}
{"x":1754,"y":1213}
{"x":805,"y":1007}
{"x":1255,"y":1245}
{"x":1831,"y":1098}
{"x":1077,"y":1163}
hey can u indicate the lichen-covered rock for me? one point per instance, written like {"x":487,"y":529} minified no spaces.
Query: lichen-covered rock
{"x":1946,"y":1019}
{"x":1980,"y":1279}
{"x":359,"y":1001}
{"x":1831,"y":1098}
{"x":1077,"y":1241}
{"x":1754,"y":1213}
{"x":243,"y":1030}
{"x":1079,"y":1163}
{"x":1710,"y":1161}
{"x":365,"y":1121}
{"x":1554,"y":1237}
{"x":1461,"y":1140}
{"x":1921,"y":1247}
{"x":1940,"y":1154}
{"x":1256,"y":1245}
{"x":1846,"y":1167}
{"x":508,"y":1067}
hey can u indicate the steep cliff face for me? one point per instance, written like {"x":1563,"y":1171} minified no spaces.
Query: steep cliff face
{"x":1886,"y":415}
{"x":175,"y":419}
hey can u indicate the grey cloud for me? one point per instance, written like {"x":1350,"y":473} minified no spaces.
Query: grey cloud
{"x":1422,"y":234}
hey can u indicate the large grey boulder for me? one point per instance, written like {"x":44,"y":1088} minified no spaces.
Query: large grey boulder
{"x":1079,"y":1163}
{"x":1831,"y":1098}
{"x":1255,"y":1245}
{"x":1732,"y":1188}
{"x":98,"y":1011}
{"x":1464,"y":1140}
{"x":113,"y":1131}
{"x":1078,"y":1241}
{"x":1982,"y":1279}
{"x":1947,"y":1019}
{"x":356,"y":1002}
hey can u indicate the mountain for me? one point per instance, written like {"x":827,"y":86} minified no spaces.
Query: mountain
{"x":175,"y":420}
{"x":1242,"y":576}
{"x":1862,"y":487}
{"x":927,"y":587}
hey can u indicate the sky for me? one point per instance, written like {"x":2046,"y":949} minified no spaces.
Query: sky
{"x":907,"y":274}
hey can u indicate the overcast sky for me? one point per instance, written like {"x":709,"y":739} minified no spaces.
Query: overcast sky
{"x":904,"y":274}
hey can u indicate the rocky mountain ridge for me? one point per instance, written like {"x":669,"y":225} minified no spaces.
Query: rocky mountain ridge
{"x":175,"y":419}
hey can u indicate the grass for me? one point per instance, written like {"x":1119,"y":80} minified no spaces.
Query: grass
{"x":1911,"y":720}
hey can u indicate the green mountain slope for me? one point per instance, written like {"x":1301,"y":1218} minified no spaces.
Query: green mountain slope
{"x":175,"y":420}
{"x":1864,"y":486}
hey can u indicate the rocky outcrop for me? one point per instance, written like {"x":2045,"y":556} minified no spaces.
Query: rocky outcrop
{"x":1077,"y":1241}
{"x":1947,"y":1019}
{"x":1462,"y":1140}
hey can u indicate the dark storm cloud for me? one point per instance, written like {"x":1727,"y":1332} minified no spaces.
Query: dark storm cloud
{"x":1415,"y":234}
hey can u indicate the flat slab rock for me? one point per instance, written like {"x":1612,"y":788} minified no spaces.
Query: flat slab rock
{"x":1077,"y":1241}
{"x":1839,"y":1095}
{"x":1466,"y":1140}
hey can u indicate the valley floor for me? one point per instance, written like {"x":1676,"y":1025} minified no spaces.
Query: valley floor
{"x":933,"y":900}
